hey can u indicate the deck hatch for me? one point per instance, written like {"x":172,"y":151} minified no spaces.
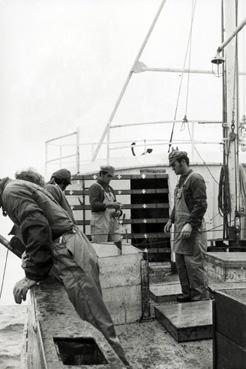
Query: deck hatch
{"x":79,"y":351}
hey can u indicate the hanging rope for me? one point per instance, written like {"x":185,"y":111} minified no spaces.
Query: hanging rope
{"x":182,"y":75}
{"x":4,"y":271}
{"x":224,"y":200}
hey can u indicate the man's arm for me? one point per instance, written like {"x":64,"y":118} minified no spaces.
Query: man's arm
{"x":35,"y":231}
{"x":172,"y":216}
{"x":96,"y":197}
{"x":199,"y":200}
{"x":170,"y":221}
{"x":37,"y":238}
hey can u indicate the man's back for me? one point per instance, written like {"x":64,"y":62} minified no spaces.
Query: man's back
{"x":21,"y":197}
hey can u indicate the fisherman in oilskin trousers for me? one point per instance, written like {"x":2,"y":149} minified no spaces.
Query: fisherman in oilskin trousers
{"x":105,"y":210}
{"x":53,"y":241}
{"x":190,"y":241}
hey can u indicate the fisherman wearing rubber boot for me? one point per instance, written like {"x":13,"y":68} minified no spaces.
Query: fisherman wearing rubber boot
{"x":105,"y":210}
{"x":52,"y":241}
{"x":190,"y":241}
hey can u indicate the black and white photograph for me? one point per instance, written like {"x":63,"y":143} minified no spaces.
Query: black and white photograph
{"x":123,"y":184}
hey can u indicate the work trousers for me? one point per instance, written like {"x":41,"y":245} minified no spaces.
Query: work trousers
{"x":192,"y":274}
{"x":76,"y":266}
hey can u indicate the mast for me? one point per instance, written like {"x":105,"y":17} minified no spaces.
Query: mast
{"x":230,"y":115}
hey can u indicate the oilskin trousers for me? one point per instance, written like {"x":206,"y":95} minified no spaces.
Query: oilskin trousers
{"x":75,"y":265}
{"x":192,"y":274}
{"x":190,"y":252}
{"x":104,"y":227}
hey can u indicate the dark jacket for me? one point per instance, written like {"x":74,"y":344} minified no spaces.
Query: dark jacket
{"x":40,"y":219}
{"x":60,"y":197}
{"x":195,"y":198}
{"x":96,"y":196}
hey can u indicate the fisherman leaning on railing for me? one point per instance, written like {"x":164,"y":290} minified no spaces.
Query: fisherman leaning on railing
{"x":52,"y":241}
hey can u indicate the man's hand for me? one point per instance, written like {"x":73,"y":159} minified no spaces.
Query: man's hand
{"x":116,"y":214}
{"x":21,"y":288}
{"x":186,"y":231}
{"x":168,"y":226}
{"x":113,"y":205}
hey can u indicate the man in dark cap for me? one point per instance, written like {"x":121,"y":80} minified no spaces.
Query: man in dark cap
{"x":190,"y":241}
{"x":57,"y":185}
{"x":62,"y":177}
{"x":51,"y":240}
{"x":105,"y":210}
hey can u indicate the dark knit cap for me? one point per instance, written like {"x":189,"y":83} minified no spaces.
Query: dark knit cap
{"x":63,"y":174}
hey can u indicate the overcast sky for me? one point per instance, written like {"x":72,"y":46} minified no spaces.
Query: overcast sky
{"x":63,"y":64}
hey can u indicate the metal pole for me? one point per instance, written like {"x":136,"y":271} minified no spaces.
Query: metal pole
{"x":178,"y":70}
{"x":108,"y":146}
{"x":46,"y":159}
{"x":231,"y":109}
{"x":6,"y":243}
{"x":60,"y":158}
{"x":192,"y":140}
{"x":226,"y":42}
{"x":77,"y":151}
{"x":128,"y":80}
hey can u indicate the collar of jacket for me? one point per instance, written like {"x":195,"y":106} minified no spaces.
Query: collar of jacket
{"x":3,"y":183}
{"x":103,"y":184}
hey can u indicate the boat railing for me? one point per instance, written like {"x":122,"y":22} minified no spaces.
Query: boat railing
{"x":68,"y":151}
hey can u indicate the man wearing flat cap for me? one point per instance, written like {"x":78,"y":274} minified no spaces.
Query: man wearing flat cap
{"x":105,"y":210}
{"x":57,"y":185}
{"x":190,"y":241}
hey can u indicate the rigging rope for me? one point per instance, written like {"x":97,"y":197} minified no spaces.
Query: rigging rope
{"x":182,"y":75}
{"x":203,"y":161}
{"x":4,"y":271}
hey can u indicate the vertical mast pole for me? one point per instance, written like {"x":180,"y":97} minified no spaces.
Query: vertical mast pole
{"x":230,"y":114}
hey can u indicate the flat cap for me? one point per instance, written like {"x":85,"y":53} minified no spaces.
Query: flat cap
{"x":62,"y":174}
{"x":176,"y":155}
{"x":108,"y":169}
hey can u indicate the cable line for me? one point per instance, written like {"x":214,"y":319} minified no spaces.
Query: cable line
{"x":4,"y":271}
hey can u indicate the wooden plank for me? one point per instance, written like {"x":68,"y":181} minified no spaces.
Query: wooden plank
{"x":187,"y":322}
{"x":147,"y":235}
{"x":128,"y":206}
{"x":145,"y":175}
{"x":132,"y":221}
{"x":166,"y":292}
{"x":228,"y":355}
{"x":142,"y":191}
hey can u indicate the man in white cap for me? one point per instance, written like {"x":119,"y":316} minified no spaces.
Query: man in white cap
{"x":105,"y":210}
{"x":190,"y":241}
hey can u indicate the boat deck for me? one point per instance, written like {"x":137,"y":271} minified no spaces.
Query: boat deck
{"x":148,"y":345}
